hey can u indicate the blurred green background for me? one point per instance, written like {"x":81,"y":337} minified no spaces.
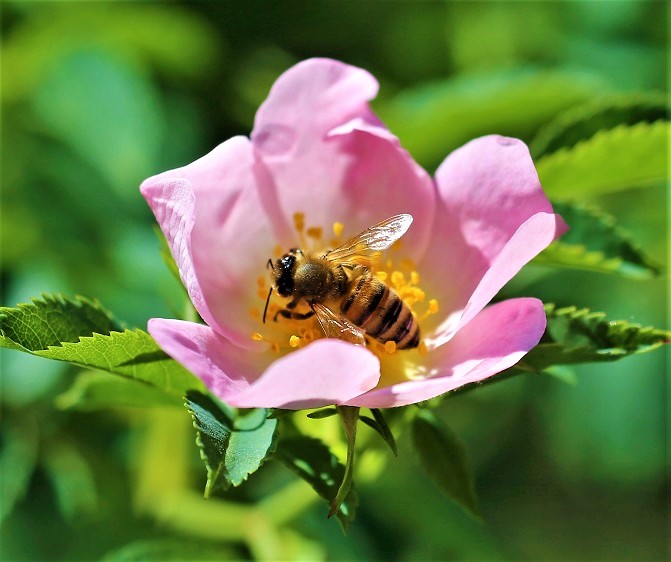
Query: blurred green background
{"x":97,"y":96}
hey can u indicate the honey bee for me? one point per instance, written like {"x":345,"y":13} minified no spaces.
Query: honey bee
{"x":349,"y":301}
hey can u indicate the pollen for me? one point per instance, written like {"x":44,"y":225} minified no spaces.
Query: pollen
{"x":414,"y":277}
{"x":257,"y":337}
{"x":397,"y":279}
{"x":381,"y":275}
{"x":314,"y":232}
{"x":294,"y":341}
{"x":299,"y":221}
{"x":261,"y":293}
{"x":433,"y":306}
{"x":338,"y":229}
{"x":390,"y":346}
{"x":261,"y":282}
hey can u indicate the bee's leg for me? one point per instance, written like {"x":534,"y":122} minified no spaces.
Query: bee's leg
{"x":284,"y":313}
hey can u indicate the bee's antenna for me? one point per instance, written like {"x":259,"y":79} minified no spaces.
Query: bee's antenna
{"x":269,"y":264}
{"x":265,"y":310}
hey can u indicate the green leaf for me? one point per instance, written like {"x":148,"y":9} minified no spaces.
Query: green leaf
{"x":323,"y":413}
{"x":594,"y":242}
{"x":379,"y":424}
{"x":51,"y":320}
{"x":620,"y":158}
{"x":312,"y":461}
{"x":584,"y":121}
{"x":434,"y":119}
{"x":580,"y":336}
{"x":349,"y":416}
{"x":93,"y":390}
{"x":443,"y":457}
{"x":232,"y":447}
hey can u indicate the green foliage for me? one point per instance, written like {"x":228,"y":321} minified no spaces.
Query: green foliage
{"x":169,"y":550}
{"x":233,"y":447}
{"x":620,"y":158}
{"x":78,"y":331}
{"x":432,"y":120}
{"x":379,"y":424}
{"x":94,"y":390}
{"x":312,"y":461}
{"x":584,"y":121}
{"x":580,"y":336}
{"x":443,"y":457}
{"x":52,"y":320}
{"x":349,"y":416}
{"x":594,"y":242}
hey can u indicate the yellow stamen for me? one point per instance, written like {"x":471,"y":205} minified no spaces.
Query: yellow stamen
{"x":408,"y":264}
{"x":299,"y":221}
{"x":254,"y":313}
{"x":390,"y":346}
{"x":381,"y":275}
{"x":262,"y":294}
{"x":294,"y":341}
{"x":338,"y":229}
{"x":414,"y":278}
{"x":315,"y":232}
{"x":398,"y":279}
{"x":275,"y":347}
{"x":257,"y":337}
{"x":261,"y":282}
{"x":433,"y":306}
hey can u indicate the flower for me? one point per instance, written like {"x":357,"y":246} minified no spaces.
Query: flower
{"x":321,"y":167}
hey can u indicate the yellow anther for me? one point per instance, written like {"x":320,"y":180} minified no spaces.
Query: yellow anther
{"x":408,"y":264}
{"x":390,"y":346}
{"x":433,"y":306}
{"x":338,"y":229}
{"x":398,"y":279}
{"x":257,"y":337}
{"x":381,"y":275}
{"x":294,"y":341}
{"x":261,"y":281}
{"x":314,"y":232}
{"x":254,"y":313}
{"x":262,"y":294}
{"x":414,"y":278}
{"x":275,"y":347}
{"x":299,"y":221}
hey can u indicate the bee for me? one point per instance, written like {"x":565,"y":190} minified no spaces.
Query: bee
{"x":349,"y":301}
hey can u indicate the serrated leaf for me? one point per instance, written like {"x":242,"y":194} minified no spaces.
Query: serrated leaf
{"x":580,"y":336}
{"x":443,"y":457}
{"x":620,"y":158}
{"x":584,"y":121}
{"x":93,"y":390}
{"x":312,"y":461}
{"x":52,"y":319}
{"x":433,"y":119}
{"x":594,"y":242}
{"x":233,"y":447}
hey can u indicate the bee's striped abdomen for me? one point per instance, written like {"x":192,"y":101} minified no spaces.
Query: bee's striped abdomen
{"x":380,"y":312}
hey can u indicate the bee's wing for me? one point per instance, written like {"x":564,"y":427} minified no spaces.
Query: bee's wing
{"x":364,"y":246}
{"x":337,"y":326}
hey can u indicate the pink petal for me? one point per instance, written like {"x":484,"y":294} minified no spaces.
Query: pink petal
{"x":530,"y":239}
{"x":331,"y":158}
{"x":488,"y":189}
{"x":324,"y":372}
{"x":494,"y":340}
{"x":213,"y":214}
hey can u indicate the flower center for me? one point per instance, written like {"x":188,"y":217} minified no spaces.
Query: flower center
{"x":397,"y":271}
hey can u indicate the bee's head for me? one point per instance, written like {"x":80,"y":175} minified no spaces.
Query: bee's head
{"x":283,"y":272}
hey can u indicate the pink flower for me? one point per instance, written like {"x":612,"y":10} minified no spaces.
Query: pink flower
{"x":320,"y":161}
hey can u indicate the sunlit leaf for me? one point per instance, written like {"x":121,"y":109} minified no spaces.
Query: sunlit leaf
{"x":443,"y":457}
{"x":594,"y":242}
{"x":94,"y":390}
{"x":620,"y":158}
{"x":233,"y":447}
{"x":349,"y":416}
{"x":169,"y":550}
{"x":580,"y":336}
{"x":584,"y":121}
{"x":433,"y":119}
{"x":76,"y":331}
{"x":312,"y":461}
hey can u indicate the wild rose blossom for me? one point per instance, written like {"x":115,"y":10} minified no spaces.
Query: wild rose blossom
{"x":319,"y":168}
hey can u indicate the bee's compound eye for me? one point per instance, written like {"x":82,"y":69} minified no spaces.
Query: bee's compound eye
{"x":285,"y":280}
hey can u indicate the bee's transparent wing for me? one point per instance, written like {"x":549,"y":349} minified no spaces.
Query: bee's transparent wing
{"x":337,"y":326}
{"x":365,"y":246}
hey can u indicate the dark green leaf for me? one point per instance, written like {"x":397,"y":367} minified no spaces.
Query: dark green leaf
{"x":312,"y":461}
{"x":580,"y":336}
{"x":584,"y":121}
{"x":434,"y":119}
{"x":93,"y":390}
{"x":624,"y":157}
{"x":349,"y":416}
{"x":323,"y":413}
{"x":233,"y":447}
{"x":169,"y":550}
{"x":51,"y":320}
{"x":443,"y":457}
{"x":379,"y":424}
{"x":594,"y":242}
